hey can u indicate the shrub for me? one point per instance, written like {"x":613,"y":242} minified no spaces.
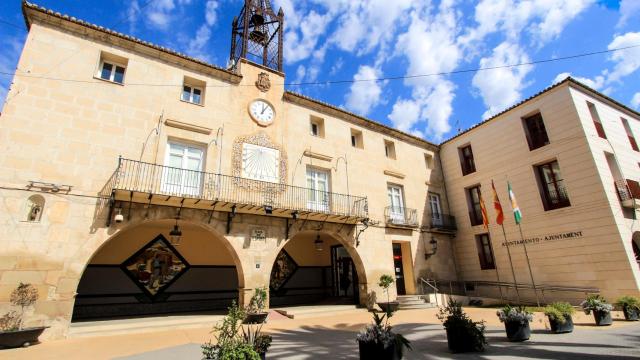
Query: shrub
{"x":596,"y":303}
{"x":512,"y":314}
{"x":258,"y":301}
{"x":455,"y":321}
{"x":381,"y":333}
{"x":629,"y":302}
{"x":231,"y":344}
{"x":559,"y":311}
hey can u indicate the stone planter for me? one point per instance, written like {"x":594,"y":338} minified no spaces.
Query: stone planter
{"x":558,"y":327}
{"x":630,"y":314}
{"x":372,"y":350}
{"x":603,"y":318}
{"x":389,"y":306}
{"x":17,"y":338}
{"x":256,"y":318}
{"x":517,"y":331}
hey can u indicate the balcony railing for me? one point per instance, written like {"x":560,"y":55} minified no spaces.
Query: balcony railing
{"x":556,"y":199}
{"x":443,"y":222}
{"x":197,"y":189}
{"x":628,"y":192}
{"x":400,"y":216}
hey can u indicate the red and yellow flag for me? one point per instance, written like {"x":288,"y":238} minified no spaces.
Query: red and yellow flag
{"x":483,"y":210}
{"x":497,"y":206}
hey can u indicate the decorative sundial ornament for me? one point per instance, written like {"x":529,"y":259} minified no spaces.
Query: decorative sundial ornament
{"x":262,"y":112}
{"x":263,"y":83}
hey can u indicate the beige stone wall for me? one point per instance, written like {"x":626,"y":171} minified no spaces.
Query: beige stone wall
{"x":72,"y":132}
{"x":598,"y":258}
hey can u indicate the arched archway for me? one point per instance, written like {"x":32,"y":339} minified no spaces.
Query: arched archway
{"x":139,"y":271}
{"x":316,"y":267}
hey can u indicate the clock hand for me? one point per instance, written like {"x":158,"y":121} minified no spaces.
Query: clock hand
{"x":264,"y":107}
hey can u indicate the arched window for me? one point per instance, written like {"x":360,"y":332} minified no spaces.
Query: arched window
{"x":34,"y":208}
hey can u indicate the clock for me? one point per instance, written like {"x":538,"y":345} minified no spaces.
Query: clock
{"x":262,"y":112}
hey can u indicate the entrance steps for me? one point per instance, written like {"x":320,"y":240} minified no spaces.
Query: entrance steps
{"x":308,"y":311}
{"x":414,"y":302}
{"x":141,"y":325}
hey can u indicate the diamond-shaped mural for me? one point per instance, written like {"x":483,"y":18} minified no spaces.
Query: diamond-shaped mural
{"x":154,"y":267}
{"x":283,"y":268}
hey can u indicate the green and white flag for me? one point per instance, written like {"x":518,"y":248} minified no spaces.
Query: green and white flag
{"x":517,"y":214}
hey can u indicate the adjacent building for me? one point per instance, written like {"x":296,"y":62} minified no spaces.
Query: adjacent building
{"x":136,"y":180}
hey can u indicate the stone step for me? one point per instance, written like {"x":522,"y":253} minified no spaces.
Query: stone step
{"x":417,"y":306}
{"x":412,"y":302}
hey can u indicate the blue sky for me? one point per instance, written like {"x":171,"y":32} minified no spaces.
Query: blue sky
{"x":365,"y":39}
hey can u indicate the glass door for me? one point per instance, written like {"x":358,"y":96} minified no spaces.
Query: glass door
{"x":399,"y":269}
{"x":436,"y":211}
{"x":396,"y":213}
{"x":318,"y":190}
{"x":182,"y":174}
{"x":344,"y":275}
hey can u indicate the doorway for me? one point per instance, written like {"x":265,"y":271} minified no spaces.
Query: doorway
{"x":344,"y":275}
{"x":399,"y":269}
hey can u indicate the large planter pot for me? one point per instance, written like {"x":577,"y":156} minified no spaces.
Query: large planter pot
{"x":372,"y":350}
{"x":517,"y":331}
{"x":459,"y":341}
{"x":263,"y":356}
{"x":603,"y":318}
{"x":255,"y":318}
{"x":558,"y":327}
{"x":24,"y":337}
{"x":630,"y":314}
{"x":389,"y":306}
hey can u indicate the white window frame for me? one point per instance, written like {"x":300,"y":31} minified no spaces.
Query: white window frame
{"x":436,"y":209}
{"x":318,"y":200}
{"x":113,"y":71}
{"x":396,"y":203}
{"x":190,"y":181}
{"x":191,"y":94}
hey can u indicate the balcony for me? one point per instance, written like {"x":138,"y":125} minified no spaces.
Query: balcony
{"x":400,"y":216}
{"x":628,"y":193}
{"x":444,"y":223}
{"x":140,"y":182}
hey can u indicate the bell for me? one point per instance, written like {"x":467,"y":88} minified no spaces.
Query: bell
{"x":257,"y":19}
{"x":257,"y":36}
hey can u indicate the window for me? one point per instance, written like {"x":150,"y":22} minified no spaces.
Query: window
{"x":535,"y":131}
{"x":554,"y":195}
{"x":466,"y":160}
{"x":318,"y":193}
{"x":428,"y":161}
{"x":436,"y":210}
{"x":485,"y":252}
{"x":317,"y":126}
{"x":396,"y":203}
{"x":182,"y":174}
{"x":356,"y":139}
{"x":192,"y":94}
{"x":596,"y":120}
{"x":35,"y":207}
{"x":389,"y":149}
{"x":260,"y":163}
{"x":112,"y":68}
{"x":473,"y":201}
{"x":632,"y":139}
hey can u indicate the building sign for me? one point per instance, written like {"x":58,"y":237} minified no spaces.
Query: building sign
{"x":539,"y":239}
{"x":258,"y":235}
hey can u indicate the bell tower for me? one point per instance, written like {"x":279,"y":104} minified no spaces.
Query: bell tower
{"x":257,"y":34}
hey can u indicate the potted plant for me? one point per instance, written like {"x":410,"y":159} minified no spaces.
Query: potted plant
{"x":234,"y":342}
{"x":389,"y":306}
{"x":600,"y":308}
{"x":12,"y":332}
{"x":630,"y":306}
{"x":516,"y":322}
{"x":255,"y":310}
{"x":559,"y":314}
{"x":378,"y":341}
{"x":463,"y":334}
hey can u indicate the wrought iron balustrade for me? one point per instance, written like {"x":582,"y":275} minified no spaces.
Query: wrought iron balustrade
{"x":443,"y":222}
{"x":401,"y":216}
{"x":139,"y":177}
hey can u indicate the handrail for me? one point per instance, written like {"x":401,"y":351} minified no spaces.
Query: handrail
{"x":433,"y":286}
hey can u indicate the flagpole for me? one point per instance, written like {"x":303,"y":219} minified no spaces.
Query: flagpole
{"x":495,"y":265}
{"x":526,"y":254}
{"x":513,"y":272}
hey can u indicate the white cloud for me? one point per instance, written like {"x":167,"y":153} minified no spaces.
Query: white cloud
{"x":299,"y":45}
{"x":595,"y":83}
{"x":627,"y":61}
{"x":160,"y":12}
{"x":635,"y":101}
{"x":501,"y":88}
{"x":405,"y":114}
{"x":628,"y":9}
{"x":12,"y":46}
{"x":364,"y":95}
{"x":199,"y":42}
{"x":210,"y":12}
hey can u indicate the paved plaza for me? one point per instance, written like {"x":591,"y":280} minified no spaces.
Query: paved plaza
{"x":327,"y":336}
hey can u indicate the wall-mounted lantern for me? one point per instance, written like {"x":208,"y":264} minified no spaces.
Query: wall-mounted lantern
{"x":175,"y":234}
{"x":318,"y":243}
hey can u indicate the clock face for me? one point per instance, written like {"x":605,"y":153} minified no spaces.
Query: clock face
{"x":262,"y":112}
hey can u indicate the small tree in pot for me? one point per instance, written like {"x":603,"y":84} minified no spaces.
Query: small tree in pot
{"x":389,"y":306}
{"x":12,"y":331}
{"x":600,"y":308}
{"x":516,"y":322}
{"x":378,"y":341}
{"x":463,"y":334}
{"x":559,"y":314}
{"x":255,"y":309}
{"x":630,"y":306}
